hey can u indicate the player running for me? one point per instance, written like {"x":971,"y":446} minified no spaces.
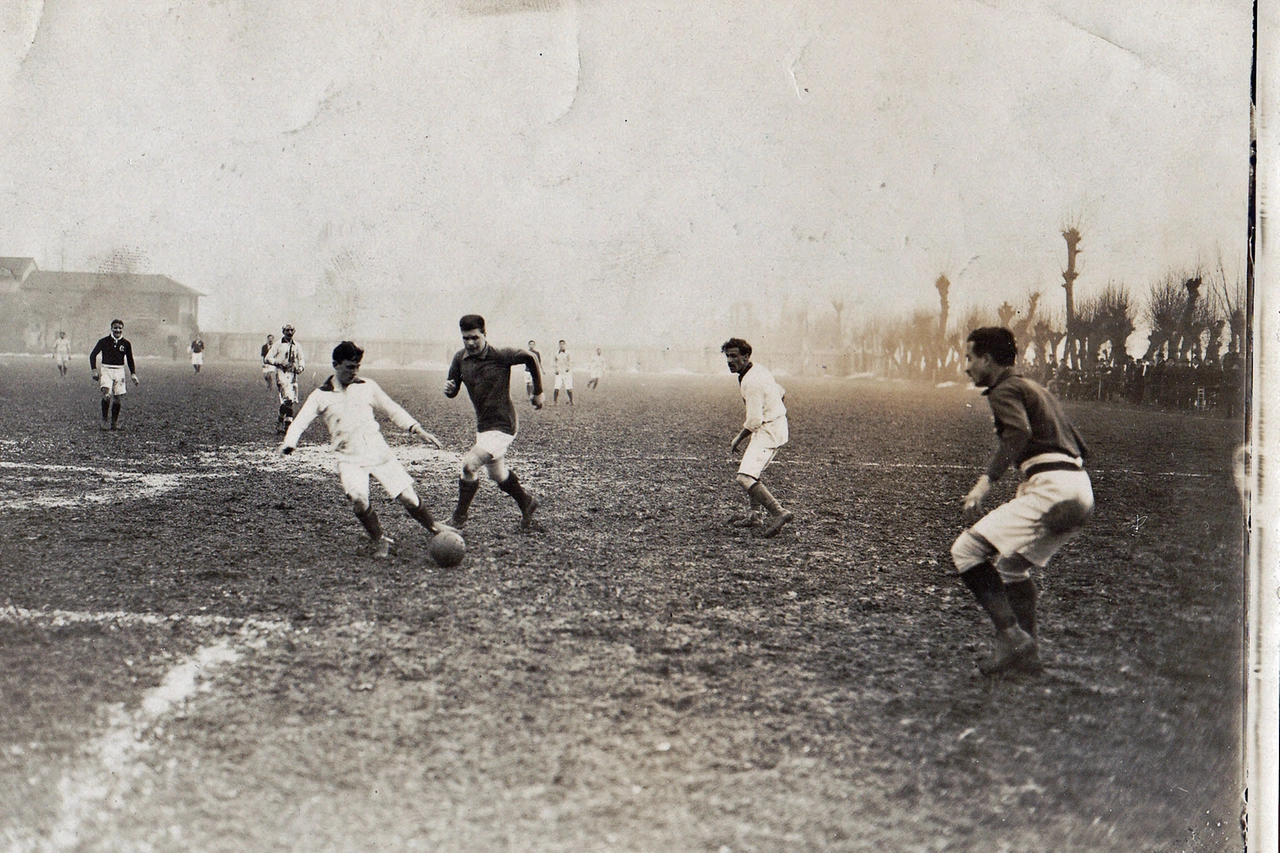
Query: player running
{"x":347,"y":404}
{"x":115,"y":351}
{"x":486,"y":372}
{"x":766,"y":426}
{"x":62,"y":354}
{"x":286,"y":357}
{"x":995,"y":555}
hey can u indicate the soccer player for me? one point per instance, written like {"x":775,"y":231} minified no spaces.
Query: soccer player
{"x":528,"y":377}
{"x":347,"y":404}
{"x":995,"y":555}
{"x":197,"y":354}
{"x":268,"y":369}
{"x":115,"y":351}
{"x":564,"y":376}
{"x":62,"y":354}
{"x":596,"y":369}
{"x":486,"y":372}
{"x":766,"y":426}
{"x":286,"y":357}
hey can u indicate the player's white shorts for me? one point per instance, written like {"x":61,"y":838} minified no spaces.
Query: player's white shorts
{"x":114,"y":379}
{"x":62,"y":359}
{"x":491,"y":445}
{"x":763,"y":447}
{"x":197,"y":358}
{"x":1017,"y":527}
{"x":287,"y":385}
{"x":268,"y":370}
{"x":565,"y":381}
{"x":391,"y":474}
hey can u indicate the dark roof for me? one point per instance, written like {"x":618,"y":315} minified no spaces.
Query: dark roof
{"x":83,"y":282}
{"x":15,"y":267}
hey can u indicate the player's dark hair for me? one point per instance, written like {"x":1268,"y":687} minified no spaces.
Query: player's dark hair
{"x":736,"y":343}
{"x":347,"y":351}
{"x":471,"y":323}
{"x":995,"y":341}
{"x":121,"y":322}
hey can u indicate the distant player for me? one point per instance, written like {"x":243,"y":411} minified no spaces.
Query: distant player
{"x":595,"y":369}
{"x":996,"y":554}
{"x":528,"y":376}
{"x":62,"y":354}
{"x":197,"y":354}
{"x":268,"y":369}
{"x":766,"y":427}
{"x":347,"y":404}
{"x":564,"y":376}
{"x":286,"y":357}
{"x":115,"y":352}
{"x":486,"y":373}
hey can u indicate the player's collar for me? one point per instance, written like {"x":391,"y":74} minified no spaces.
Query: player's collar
{"x":1004,"y":374}
{"x":745,"y":371}
{"x":484,"y":352}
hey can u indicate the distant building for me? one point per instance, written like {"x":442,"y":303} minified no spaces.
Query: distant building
{"x":161,"y":316}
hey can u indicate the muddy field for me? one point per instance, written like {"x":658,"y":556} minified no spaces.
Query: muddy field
{"x":197,"y":652}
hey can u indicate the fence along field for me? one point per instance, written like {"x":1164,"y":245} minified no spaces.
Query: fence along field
{"x":196,"y":656}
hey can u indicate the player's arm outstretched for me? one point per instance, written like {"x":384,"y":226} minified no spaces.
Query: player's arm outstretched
{"x":400,"y":417}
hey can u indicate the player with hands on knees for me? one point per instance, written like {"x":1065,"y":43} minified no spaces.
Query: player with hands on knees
{"x":347,"y":403}
{"x":996,"y":553}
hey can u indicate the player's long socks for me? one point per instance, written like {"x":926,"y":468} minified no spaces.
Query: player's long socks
{"x":985,"y":584}
{"x":762,"y":496}
{"x":1022,"y":599}
{"x":422,"y":515}
{"x":466,"y":491}
{"x":115,"y":411}
{"x":512,"y":486}
{"x":106,"y":407}
{"x":369,"y":519}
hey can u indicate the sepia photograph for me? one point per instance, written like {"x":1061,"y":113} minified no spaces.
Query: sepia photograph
{"x":583,"y":425}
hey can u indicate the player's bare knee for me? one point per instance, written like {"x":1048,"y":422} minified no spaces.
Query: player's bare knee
{"x":746,"y":481}
{"x":408,"y":498}
{"x":359,"y":504}
{"x":497,"y":471}
{"x":1014,"y":569}
{"x":968,"y":551}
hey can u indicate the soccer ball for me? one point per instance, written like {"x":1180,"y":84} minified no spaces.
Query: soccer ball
{"x":447,"y":548}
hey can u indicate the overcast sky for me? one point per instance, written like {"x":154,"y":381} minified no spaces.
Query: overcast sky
{"x":626,"y":169}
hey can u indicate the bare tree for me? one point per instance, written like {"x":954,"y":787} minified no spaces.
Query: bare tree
{"x":1069,"y":275}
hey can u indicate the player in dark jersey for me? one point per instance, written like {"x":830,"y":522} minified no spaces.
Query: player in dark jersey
{"x":486,"y":373}
{"x":115,"y":352}
{"x":1054,"y":501}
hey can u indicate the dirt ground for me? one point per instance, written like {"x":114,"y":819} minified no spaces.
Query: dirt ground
{"x":636,"y":676}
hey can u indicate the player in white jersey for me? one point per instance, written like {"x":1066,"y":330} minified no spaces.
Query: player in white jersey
{"x":347,"y":404}
{"x":564,"y":376}
{"x":286,"y":357}
{"x":62,"y":354}
{"x":595,"y":369}
{"x":766,"y":427}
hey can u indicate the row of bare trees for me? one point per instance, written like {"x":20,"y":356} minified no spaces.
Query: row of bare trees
{"x":1191,"y":315}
